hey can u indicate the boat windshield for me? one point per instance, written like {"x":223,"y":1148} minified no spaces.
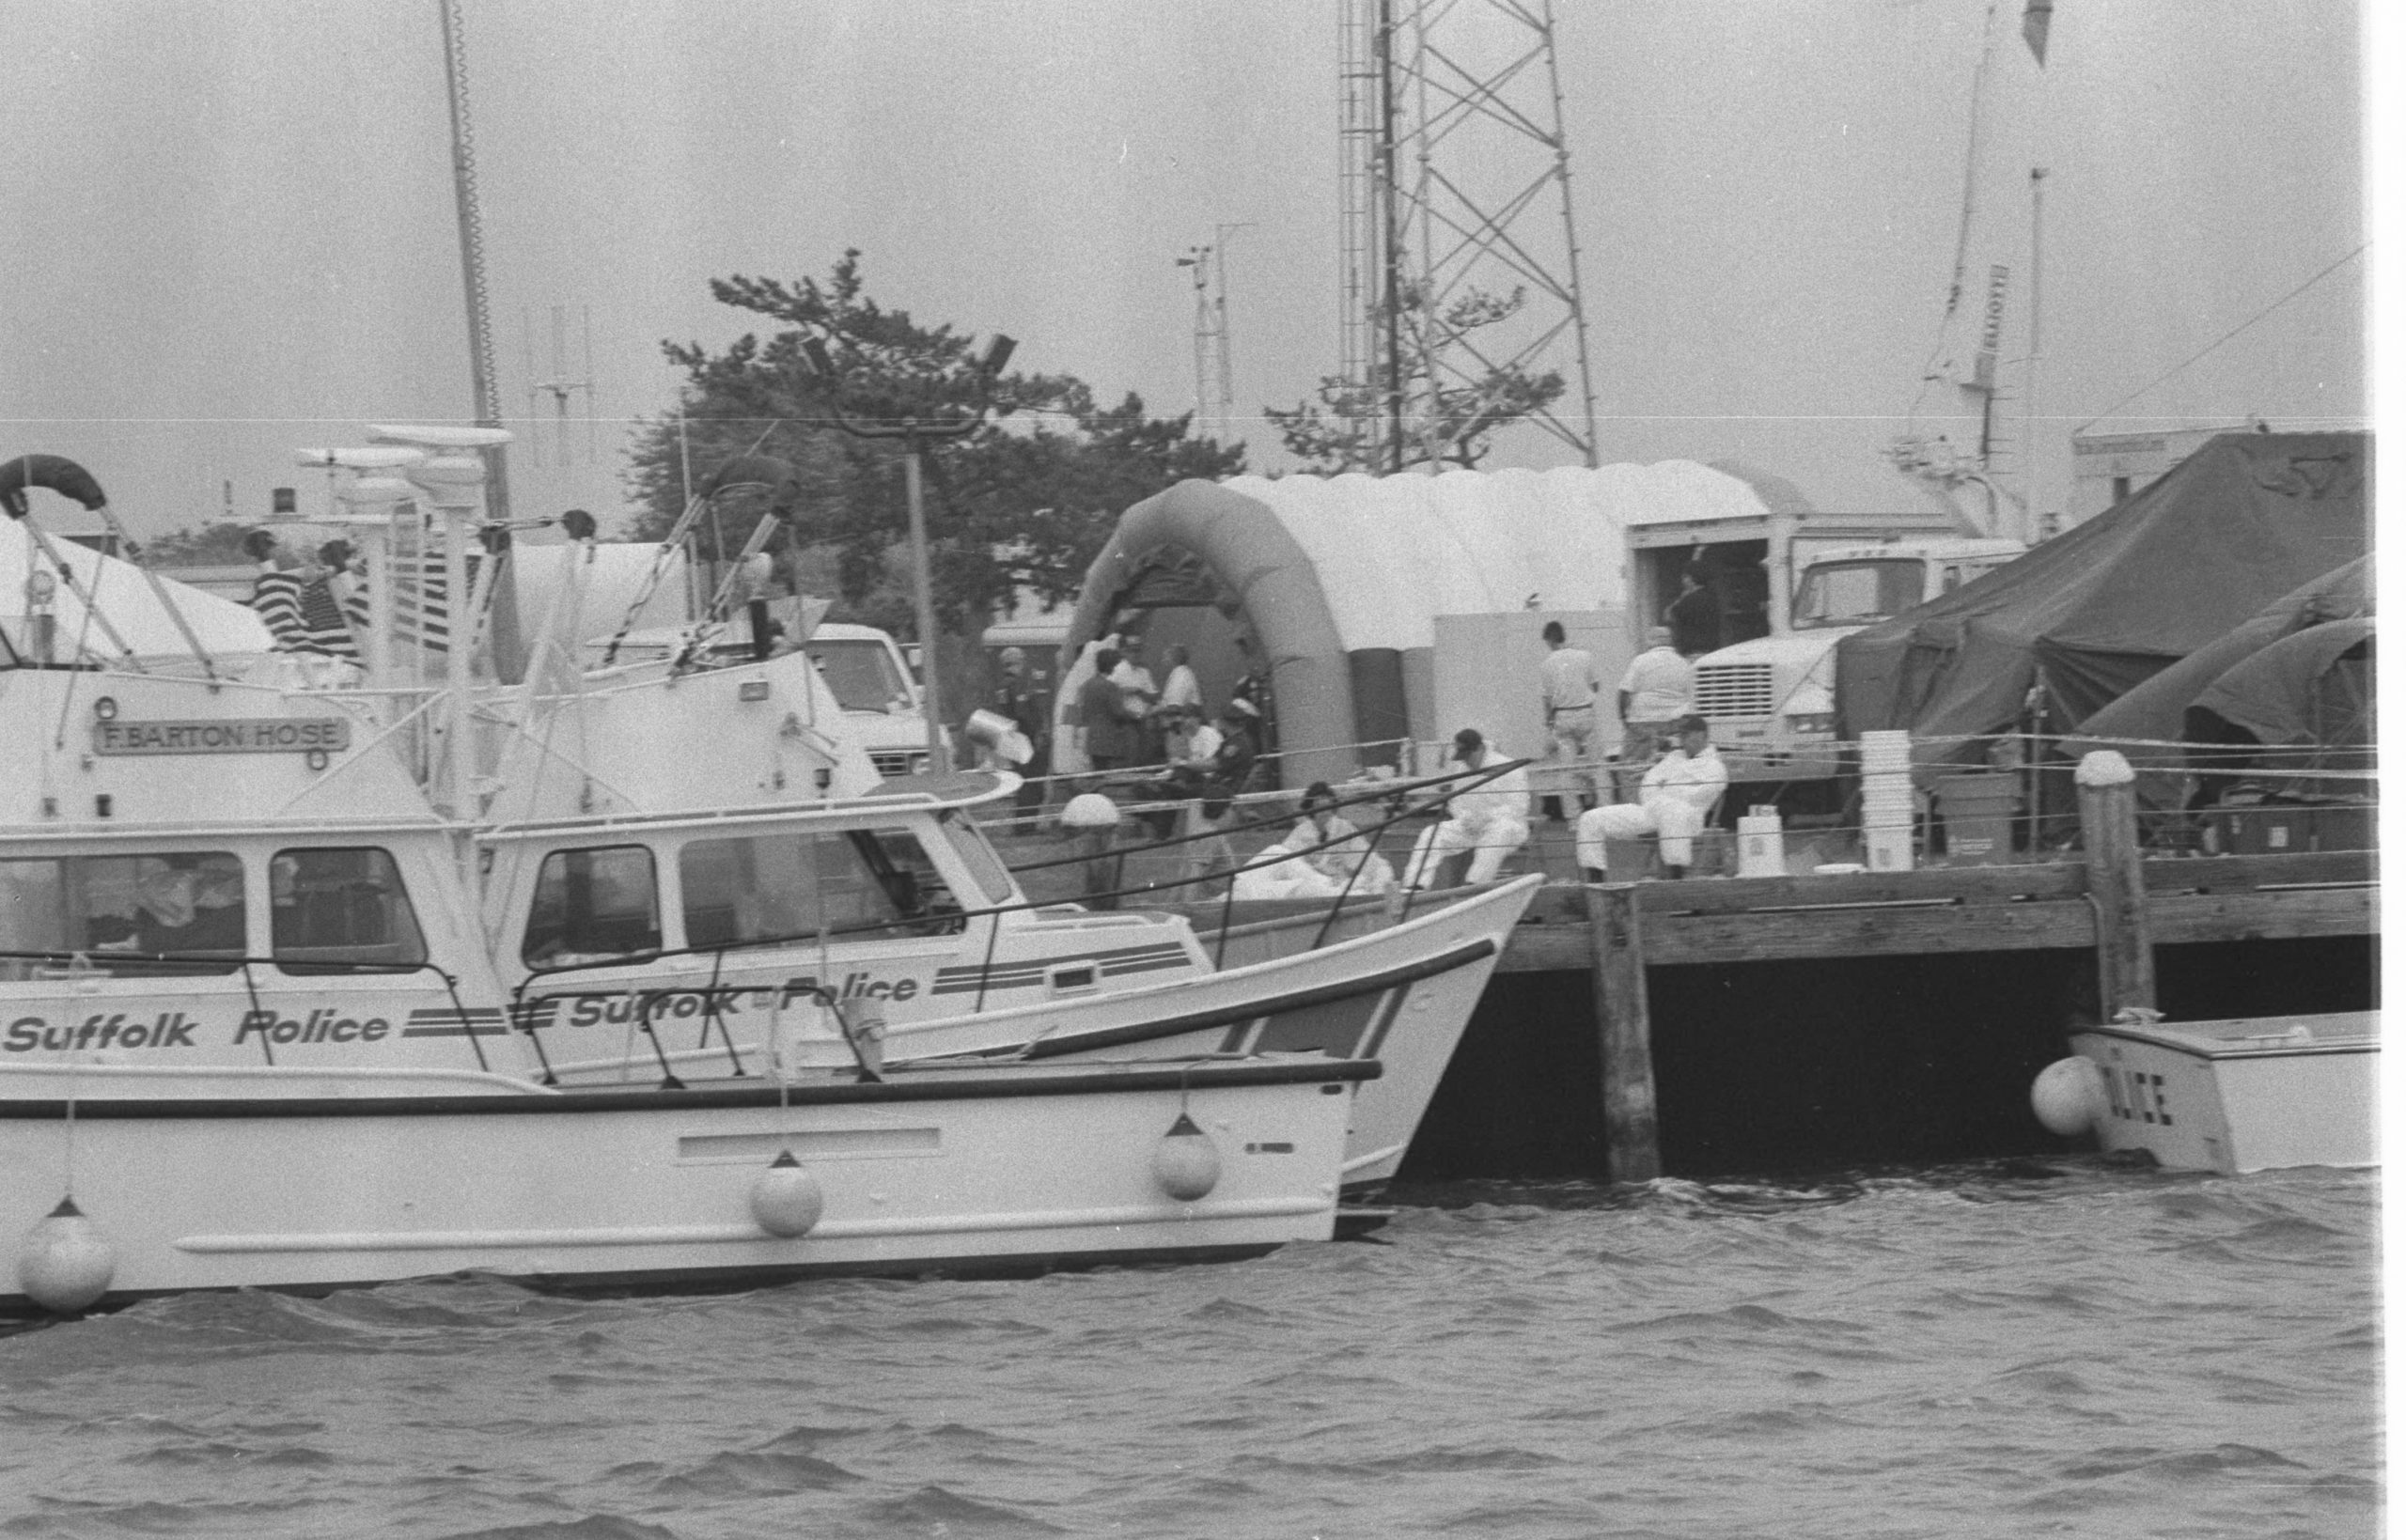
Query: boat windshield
{"x":148,"y":915}
{"x":862,"y":674}
{"x":342,"y":909}
{"x":857,"y":884}
{"x":1857,"y":593}
{"x":593,"y":905}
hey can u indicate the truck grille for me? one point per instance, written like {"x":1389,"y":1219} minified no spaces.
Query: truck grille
{"x":892,"y":763}
{"x":1733,"y":689}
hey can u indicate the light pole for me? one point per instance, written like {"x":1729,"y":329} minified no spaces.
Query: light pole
{"x":915,"y":430}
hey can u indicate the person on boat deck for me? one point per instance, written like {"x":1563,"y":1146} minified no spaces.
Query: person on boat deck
{"x":1344,"y":848}
{"x":1673,"y":801}
{"x":1491,"y":819}
{"x":1110,"y":724}
{"x":1219,"y":758}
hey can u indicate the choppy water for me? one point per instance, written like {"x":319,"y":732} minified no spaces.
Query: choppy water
{"x":1996,"y":1350}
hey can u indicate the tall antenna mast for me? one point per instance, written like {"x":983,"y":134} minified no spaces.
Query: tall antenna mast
{"x":471,"y":255}
{"x":1455,"y":204}
{"x":1215,"y":385}
{"x":1199,"y":258}
{"x":560,"y":389}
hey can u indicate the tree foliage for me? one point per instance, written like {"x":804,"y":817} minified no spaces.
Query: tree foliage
{"x":1022,"y":501}
{"x":209,"y":545}
{"x":1448,"y":418}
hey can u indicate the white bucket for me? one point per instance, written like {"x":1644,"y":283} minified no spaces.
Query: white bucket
{"x":1888,"y":849}
{"x":1762,"y":850}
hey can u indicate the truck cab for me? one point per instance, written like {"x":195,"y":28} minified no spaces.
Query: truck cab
{"x":881,"y":700}
{"x":1771,"y":700}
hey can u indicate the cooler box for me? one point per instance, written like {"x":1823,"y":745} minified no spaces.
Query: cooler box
{"x":2344,"y":826}
{"x":1978,"y":812}
{"x":2261,"y":829}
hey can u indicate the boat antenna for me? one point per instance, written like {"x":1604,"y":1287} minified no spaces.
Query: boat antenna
{"x":471,"y":257}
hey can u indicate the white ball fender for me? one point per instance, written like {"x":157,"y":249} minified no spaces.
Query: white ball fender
{"x":66,"y":1262}
{"x":2068,"y":1095}
{"x":1090,"y":810}
{"x":1187,"y":1163}
{"x":785,"y":1199}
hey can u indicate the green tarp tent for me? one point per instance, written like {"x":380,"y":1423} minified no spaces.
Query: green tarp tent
{"x":2093,"y":613}
{"x":2154,"y":710}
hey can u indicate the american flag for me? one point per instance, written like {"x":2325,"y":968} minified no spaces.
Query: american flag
{"x":303,"y":616}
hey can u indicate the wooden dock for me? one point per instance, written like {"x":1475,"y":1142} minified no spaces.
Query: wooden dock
{"x":2112,"y":903}
{"x":1949,"y":985}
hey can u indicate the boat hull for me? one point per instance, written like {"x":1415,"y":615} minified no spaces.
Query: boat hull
{"x":998,"y":1169}
{"x":2240,"y":1095}
{"x":1402,"y":995}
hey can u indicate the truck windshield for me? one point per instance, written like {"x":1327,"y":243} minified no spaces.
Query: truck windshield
{"x":862,"y":674}
{"x":1857,"y":593}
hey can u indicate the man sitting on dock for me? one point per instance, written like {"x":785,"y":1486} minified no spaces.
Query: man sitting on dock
{"x":1491,"y":820}
{"x":1674,"y":800}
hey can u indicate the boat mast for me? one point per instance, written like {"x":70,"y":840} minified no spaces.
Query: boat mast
{"x":471,"y":257}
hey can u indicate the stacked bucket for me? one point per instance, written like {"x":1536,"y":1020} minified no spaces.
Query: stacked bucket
{"x":1888,"y":801}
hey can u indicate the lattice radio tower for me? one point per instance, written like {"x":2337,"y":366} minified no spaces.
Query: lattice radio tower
{"x":1455,"y":186}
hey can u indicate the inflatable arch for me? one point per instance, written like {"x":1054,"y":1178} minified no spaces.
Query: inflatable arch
{"x":1332,"y":585}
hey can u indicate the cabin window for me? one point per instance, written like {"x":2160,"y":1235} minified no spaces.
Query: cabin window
{"x":345,"y":909}
{"x":595,"y":905}
{"x":147,"y":916}
{"x":859,"y":883}
{"x":1857,"y":593}
{"x":859,"y":672}
{"x":985,"y":863}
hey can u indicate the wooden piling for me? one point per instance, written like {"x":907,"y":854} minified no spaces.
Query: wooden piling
{"x":1623,"y":1033}
{"x":2109,"y":830}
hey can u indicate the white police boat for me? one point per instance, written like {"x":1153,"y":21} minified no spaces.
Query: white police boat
{"x":2252,"y":1093}
{"x":252,"y":1033}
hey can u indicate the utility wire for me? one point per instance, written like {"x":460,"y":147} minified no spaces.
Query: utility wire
{"x":2224,"y":337}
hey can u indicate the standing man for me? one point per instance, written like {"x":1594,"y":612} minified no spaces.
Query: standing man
{"x":1111,"y":726}
{"x":1679,"y":794}
{"x":1138,"y":693}
{"x":1015,"y":700}
{"x":1491,"y":820}
{"x":1567,"y":679}
{"x":1656,"y":690}
{"x":1694,"y":616}
{"x":1182,"y":689}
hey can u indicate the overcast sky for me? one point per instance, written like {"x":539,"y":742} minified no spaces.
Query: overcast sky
{"x":232,"y":225}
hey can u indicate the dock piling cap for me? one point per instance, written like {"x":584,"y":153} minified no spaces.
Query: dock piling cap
{"x":2103,"y":768}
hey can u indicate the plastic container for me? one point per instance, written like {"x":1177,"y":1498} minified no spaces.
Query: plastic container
{"x":1978,"y":812}
{"x":1888,"y":849}
{"x":1762,"y":850}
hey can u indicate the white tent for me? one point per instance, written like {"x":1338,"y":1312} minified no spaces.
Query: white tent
{"x":126,"y":602}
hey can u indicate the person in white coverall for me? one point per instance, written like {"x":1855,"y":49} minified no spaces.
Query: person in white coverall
{"x":1491,"y":820}
{"x":1673,"y":801}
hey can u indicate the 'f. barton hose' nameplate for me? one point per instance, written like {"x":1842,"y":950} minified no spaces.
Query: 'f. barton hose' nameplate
{"x":224,"y":735}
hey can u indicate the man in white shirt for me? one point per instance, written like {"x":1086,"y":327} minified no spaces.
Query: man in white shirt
{"x":1656,"y":690}
{"x":1181,"y":688}
{"x":1678,"y":795}
{"x":1491,"y":820}
{"x":1567,"y":680}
